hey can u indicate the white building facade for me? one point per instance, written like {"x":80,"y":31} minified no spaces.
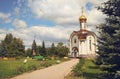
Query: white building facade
{"x":83,"y":43}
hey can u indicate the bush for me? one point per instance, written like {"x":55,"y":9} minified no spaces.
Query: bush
{"x":46,"y":64}
{"x":32,"y":67}
{"x":17,"y":58}
{"x":21,"y":69}
{"x":78,"y":68}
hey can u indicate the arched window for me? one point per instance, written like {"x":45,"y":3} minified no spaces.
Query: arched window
{"x":90,"y":44}
{"x":75,"y":40}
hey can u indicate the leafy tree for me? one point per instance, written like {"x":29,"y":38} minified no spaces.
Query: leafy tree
{"x":53,"y":50}
{"x":109,"y":40}
{"x":28,"y":52}
{"x":62,"y":50}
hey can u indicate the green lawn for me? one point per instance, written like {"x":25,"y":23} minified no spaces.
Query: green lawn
{"x":10,"y":68}
{"x":90,"y":70}
{"x":85,"y":69}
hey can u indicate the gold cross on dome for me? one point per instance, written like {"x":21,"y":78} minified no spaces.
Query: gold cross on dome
{"x":82,"y":10}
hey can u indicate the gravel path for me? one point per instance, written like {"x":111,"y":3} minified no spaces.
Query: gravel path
{"x":58,"y":71}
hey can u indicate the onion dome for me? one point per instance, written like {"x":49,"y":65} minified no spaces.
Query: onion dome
{"x":82,"y":17}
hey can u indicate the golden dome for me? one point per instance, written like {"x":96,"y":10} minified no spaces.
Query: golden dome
{"x":82,"y":17}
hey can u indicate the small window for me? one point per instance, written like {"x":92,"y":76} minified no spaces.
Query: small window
{"x":74,"y":40}
{"x":90,"y":43}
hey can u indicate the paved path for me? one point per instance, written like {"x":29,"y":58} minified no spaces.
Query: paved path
{"x":54,"y":72}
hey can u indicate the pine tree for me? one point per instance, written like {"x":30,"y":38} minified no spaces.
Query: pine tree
{"x":43,"y":49}
{"x":34,"y":47}
{"x":14,"y":46}
{"x":3,"y":50}
{"x":109,"y":40}
{"x":53,"y":50}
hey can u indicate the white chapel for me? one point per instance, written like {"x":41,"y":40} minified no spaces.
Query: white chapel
{"x":83,"y":42}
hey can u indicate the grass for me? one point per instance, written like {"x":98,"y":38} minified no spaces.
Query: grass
{"x":85,"y":69}
{"x":11,"y":68}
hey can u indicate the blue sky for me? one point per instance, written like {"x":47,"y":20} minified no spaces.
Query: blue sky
{"x":48,"y":20}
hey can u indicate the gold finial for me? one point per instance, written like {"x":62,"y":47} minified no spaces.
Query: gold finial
{"x":82,"y":10}
{"x":82,"y":17}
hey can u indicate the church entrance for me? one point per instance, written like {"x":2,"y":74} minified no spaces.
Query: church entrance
{"x":74,"y":52}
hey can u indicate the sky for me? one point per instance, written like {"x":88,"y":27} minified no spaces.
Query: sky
{"x":51,"y":21}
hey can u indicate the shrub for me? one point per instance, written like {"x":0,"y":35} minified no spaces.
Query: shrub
{"x":32,"y":67}
{"x":17,"y":58}
{"x":21,"y":69}
{"x":78,"y":68}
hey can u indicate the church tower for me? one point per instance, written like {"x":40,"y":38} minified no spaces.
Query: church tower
{"x":83,"y":42}
{"x":82,"y":21}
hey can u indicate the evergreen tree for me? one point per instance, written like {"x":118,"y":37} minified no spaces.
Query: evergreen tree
{"x":14,"y":46}
{"x":43,"y":50}
{"x":53,"y":50}
{"x":3,"y":50}
{"x":34,"y":47}
{"x":109,"y":40}
{"x":17,"y":47}
{"x":38,"y":50}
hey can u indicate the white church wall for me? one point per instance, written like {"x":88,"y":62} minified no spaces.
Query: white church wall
{"x":75,"y":44}
{"x":91,"y":44}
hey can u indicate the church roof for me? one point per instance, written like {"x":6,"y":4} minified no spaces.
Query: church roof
{"x":82,"y":34}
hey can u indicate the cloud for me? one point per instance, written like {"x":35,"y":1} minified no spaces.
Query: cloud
{"x":41,"y":33}
{"x":65,"y":12}
{"x":19,"y":23}
{"x":16,"y":10}
{"x":5,"y":18}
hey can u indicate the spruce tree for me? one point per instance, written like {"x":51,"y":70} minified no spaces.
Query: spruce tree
{"x":34,"y":47}
{"x":53,"y":51}
{"x":3,"y":50}
{"x":109,"y":40}
{"x":43,"y":49}
{"x":14,"y":46}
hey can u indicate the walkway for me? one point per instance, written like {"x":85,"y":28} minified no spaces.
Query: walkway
{"x":53,"y":72}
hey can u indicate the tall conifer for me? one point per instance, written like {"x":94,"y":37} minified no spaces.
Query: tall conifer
{"x":109,"y":40}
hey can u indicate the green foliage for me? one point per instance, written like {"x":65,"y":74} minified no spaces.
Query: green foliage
{"x":78,"y":68}
{"x":86,"y":69}
{"x":21,"y":69}
{"x":43,"y":50}
{"x":53,"y":50}
{"x":12,"y":46}
{"x":28,"y":52}
{"x":3,"y":50}
{"x":109,"y":40}
{"x":10,"y":68}
{"x":34,"y":47}
{"x":62,"y":50}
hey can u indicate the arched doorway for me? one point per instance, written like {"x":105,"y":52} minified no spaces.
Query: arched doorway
{"x":74,"y":51}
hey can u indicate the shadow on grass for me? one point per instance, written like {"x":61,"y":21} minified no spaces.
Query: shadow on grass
{"x":93,"y":67}
{"x":90,"y":75}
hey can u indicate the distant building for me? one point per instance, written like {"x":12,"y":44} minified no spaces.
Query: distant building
{"x":83,"y":42}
